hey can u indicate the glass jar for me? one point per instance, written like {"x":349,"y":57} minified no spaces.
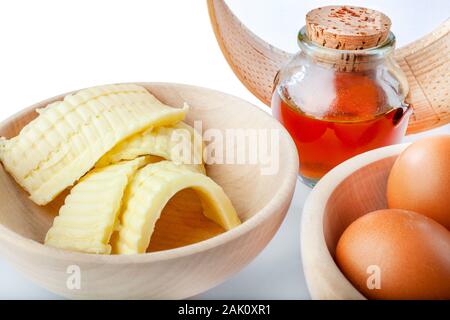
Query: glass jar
{"x":339,"y":103}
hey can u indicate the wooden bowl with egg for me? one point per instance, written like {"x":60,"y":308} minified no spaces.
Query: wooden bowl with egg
{"x":371,"y":228}
{"x":188,"y":254}
{"x":350,"y":190}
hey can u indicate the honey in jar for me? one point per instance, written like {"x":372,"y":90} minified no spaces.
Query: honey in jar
{"x":342,"y":94}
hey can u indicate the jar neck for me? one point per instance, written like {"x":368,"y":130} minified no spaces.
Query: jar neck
{"x":346,"y":60}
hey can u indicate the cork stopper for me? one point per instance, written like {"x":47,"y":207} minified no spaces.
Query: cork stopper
{"x":347,"y":27}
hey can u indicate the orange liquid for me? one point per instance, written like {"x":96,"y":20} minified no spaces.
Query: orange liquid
{"x":323,"y":143}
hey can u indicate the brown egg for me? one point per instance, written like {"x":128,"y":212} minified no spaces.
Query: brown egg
{"x":396,"y":254}
{"x":420,"y":179}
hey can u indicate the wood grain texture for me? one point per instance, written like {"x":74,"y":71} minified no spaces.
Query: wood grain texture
{"x":180,"y":262}
{"x":352,"y":189}
{"x":182,"y":223}
{"x":426,"y":63}
{"x":254,"y":61}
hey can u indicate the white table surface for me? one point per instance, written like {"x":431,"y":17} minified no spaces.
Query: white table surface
{"x":47,"y":51}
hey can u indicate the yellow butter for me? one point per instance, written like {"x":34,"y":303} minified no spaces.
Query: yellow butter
{"x":86,"y":220}
{"x":179,"y":143}
{"x":151,"y":189}
{"x":68,"y":137}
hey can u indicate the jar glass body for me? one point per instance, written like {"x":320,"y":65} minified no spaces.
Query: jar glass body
{"x":339,"y":103}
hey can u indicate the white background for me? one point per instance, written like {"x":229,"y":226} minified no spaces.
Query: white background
{"x":51,"y":47}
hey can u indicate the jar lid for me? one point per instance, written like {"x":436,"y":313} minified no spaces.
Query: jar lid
{"x":347,"y":27}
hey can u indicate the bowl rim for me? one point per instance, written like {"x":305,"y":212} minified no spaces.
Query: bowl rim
{"x":314,"y":250}
{"x":281,"y":197}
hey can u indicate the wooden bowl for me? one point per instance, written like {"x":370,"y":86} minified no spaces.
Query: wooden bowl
{"x":352,"y":189}
{"x":188,"y":254}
